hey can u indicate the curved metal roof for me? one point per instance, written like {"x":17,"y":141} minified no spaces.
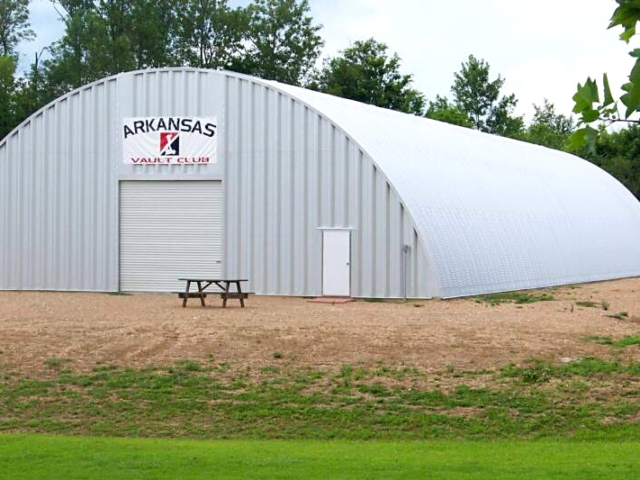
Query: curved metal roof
{"x":495,"y":214}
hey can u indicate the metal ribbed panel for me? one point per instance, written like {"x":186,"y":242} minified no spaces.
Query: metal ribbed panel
{"x":491,"y":214}
{"x":57,"y":214}
{"x":169,"y":230}
{"x":289,"y":173}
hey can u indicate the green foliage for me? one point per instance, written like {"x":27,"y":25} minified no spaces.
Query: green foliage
{"x":186,"y":366}
{"x":480,"y":97}
{"x":588,"y":304}
{"x":590,"y":109}
{"x":539,"y":371}
{"x":548,"y":128}
{"x":600,"y":340}
{"x":494,"y":299}
{"x":155,"y":32}
{"x":587,"y":101}
{"x":96,"y":43}
{"x":105,"y":37}
{"x":209,"y":33}
{"x":365,"y":72}
{"x":619,"y":154}
{"x":14,"y":25}
{"x":474,"y":92}
{"x":283,"y":42}
{"x":631,"y":97}
{"x":273,"y":39}
{"x":584,"y":99}
{"x":55,"y":363}
{"x":619,"y":315}
{"x":626,"y":341}
{"x":591,"y":304}
{"x":442,"y":110}
{"x":8,"y":90}
{"x":626,"y":15}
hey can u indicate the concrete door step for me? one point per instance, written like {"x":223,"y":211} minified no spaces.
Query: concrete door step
{"x":331,"y":300}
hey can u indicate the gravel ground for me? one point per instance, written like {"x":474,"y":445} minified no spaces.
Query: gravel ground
{"x":136,"y":330}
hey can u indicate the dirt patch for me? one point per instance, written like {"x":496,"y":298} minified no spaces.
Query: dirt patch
{"x":84,"y":329}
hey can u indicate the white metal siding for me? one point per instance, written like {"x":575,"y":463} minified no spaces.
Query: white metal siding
{"x":169,"y":230}
{"x":289,"y":173}
{"x":491,"y":214}
{"x":58,"y":216}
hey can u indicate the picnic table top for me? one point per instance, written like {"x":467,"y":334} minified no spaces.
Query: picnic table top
{"x":213,"y":279}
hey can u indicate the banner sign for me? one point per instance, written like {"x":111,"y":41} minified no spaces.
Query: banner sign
{"x":169,"y":140}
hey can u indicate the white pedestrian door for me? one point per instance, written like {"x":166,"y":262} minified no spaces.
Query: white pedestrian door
{"x":336,"y":255}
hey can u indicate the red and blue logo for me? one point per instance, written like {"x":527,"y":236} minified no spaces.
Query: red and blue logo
{"x":170,"y":144}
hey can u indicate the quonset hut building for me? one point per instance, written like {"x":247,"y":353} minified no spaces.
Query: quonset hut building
{"x":136,"y":180}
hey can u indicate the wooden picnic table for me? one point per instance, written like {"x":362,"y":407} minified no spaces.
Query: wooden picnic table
{"x":224,"y":284}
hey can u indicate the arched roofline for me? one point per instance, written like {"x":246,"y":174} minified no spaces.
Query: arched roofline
{"x":53,"y":103}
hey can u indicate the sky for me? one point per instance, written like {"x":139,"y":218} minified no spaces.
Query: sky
{"x":542,"y":48}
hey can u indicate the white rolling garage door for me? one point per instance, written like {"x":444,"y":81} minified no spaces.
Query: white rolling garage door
{"x":169,"y":230}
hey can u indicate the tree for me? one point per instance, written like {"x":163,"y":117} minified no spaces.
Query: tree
{"x":502,"y":121}
{"x":14,"y":25}
{"x":365,"y":72}
{"x":282,"y":42}
{"x":478,"y":96}
{"x":209,"y":33}
{"x":593,"y":107}
{"x":619,"y":154}
{"x":154,"y":24}
{"x":8,"y":89}
{"x":441,"y":109}
{"x":549,"y":128}
{"x":95,"y":43}
{"x":104,"y":37}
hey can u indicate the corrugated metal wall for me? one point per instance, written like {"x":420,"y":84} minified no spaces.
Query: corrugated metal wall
{"x":58,"y":222}
{"x":290,"y":173}
{"x":287,"y":172}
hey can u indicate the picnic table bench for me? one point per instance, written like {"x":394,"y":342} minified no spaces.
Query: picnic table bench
{"x":224,"y":284}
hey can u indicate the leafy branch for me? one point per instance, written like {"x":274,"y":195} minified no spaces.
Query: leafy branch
{"x":588,"y":105}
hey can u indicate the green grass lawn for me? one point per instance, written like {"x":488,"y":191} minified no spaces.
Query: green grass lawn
{"x":57,"y":457}
{"x":214,"y":420}
{"x":589,"y":399}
